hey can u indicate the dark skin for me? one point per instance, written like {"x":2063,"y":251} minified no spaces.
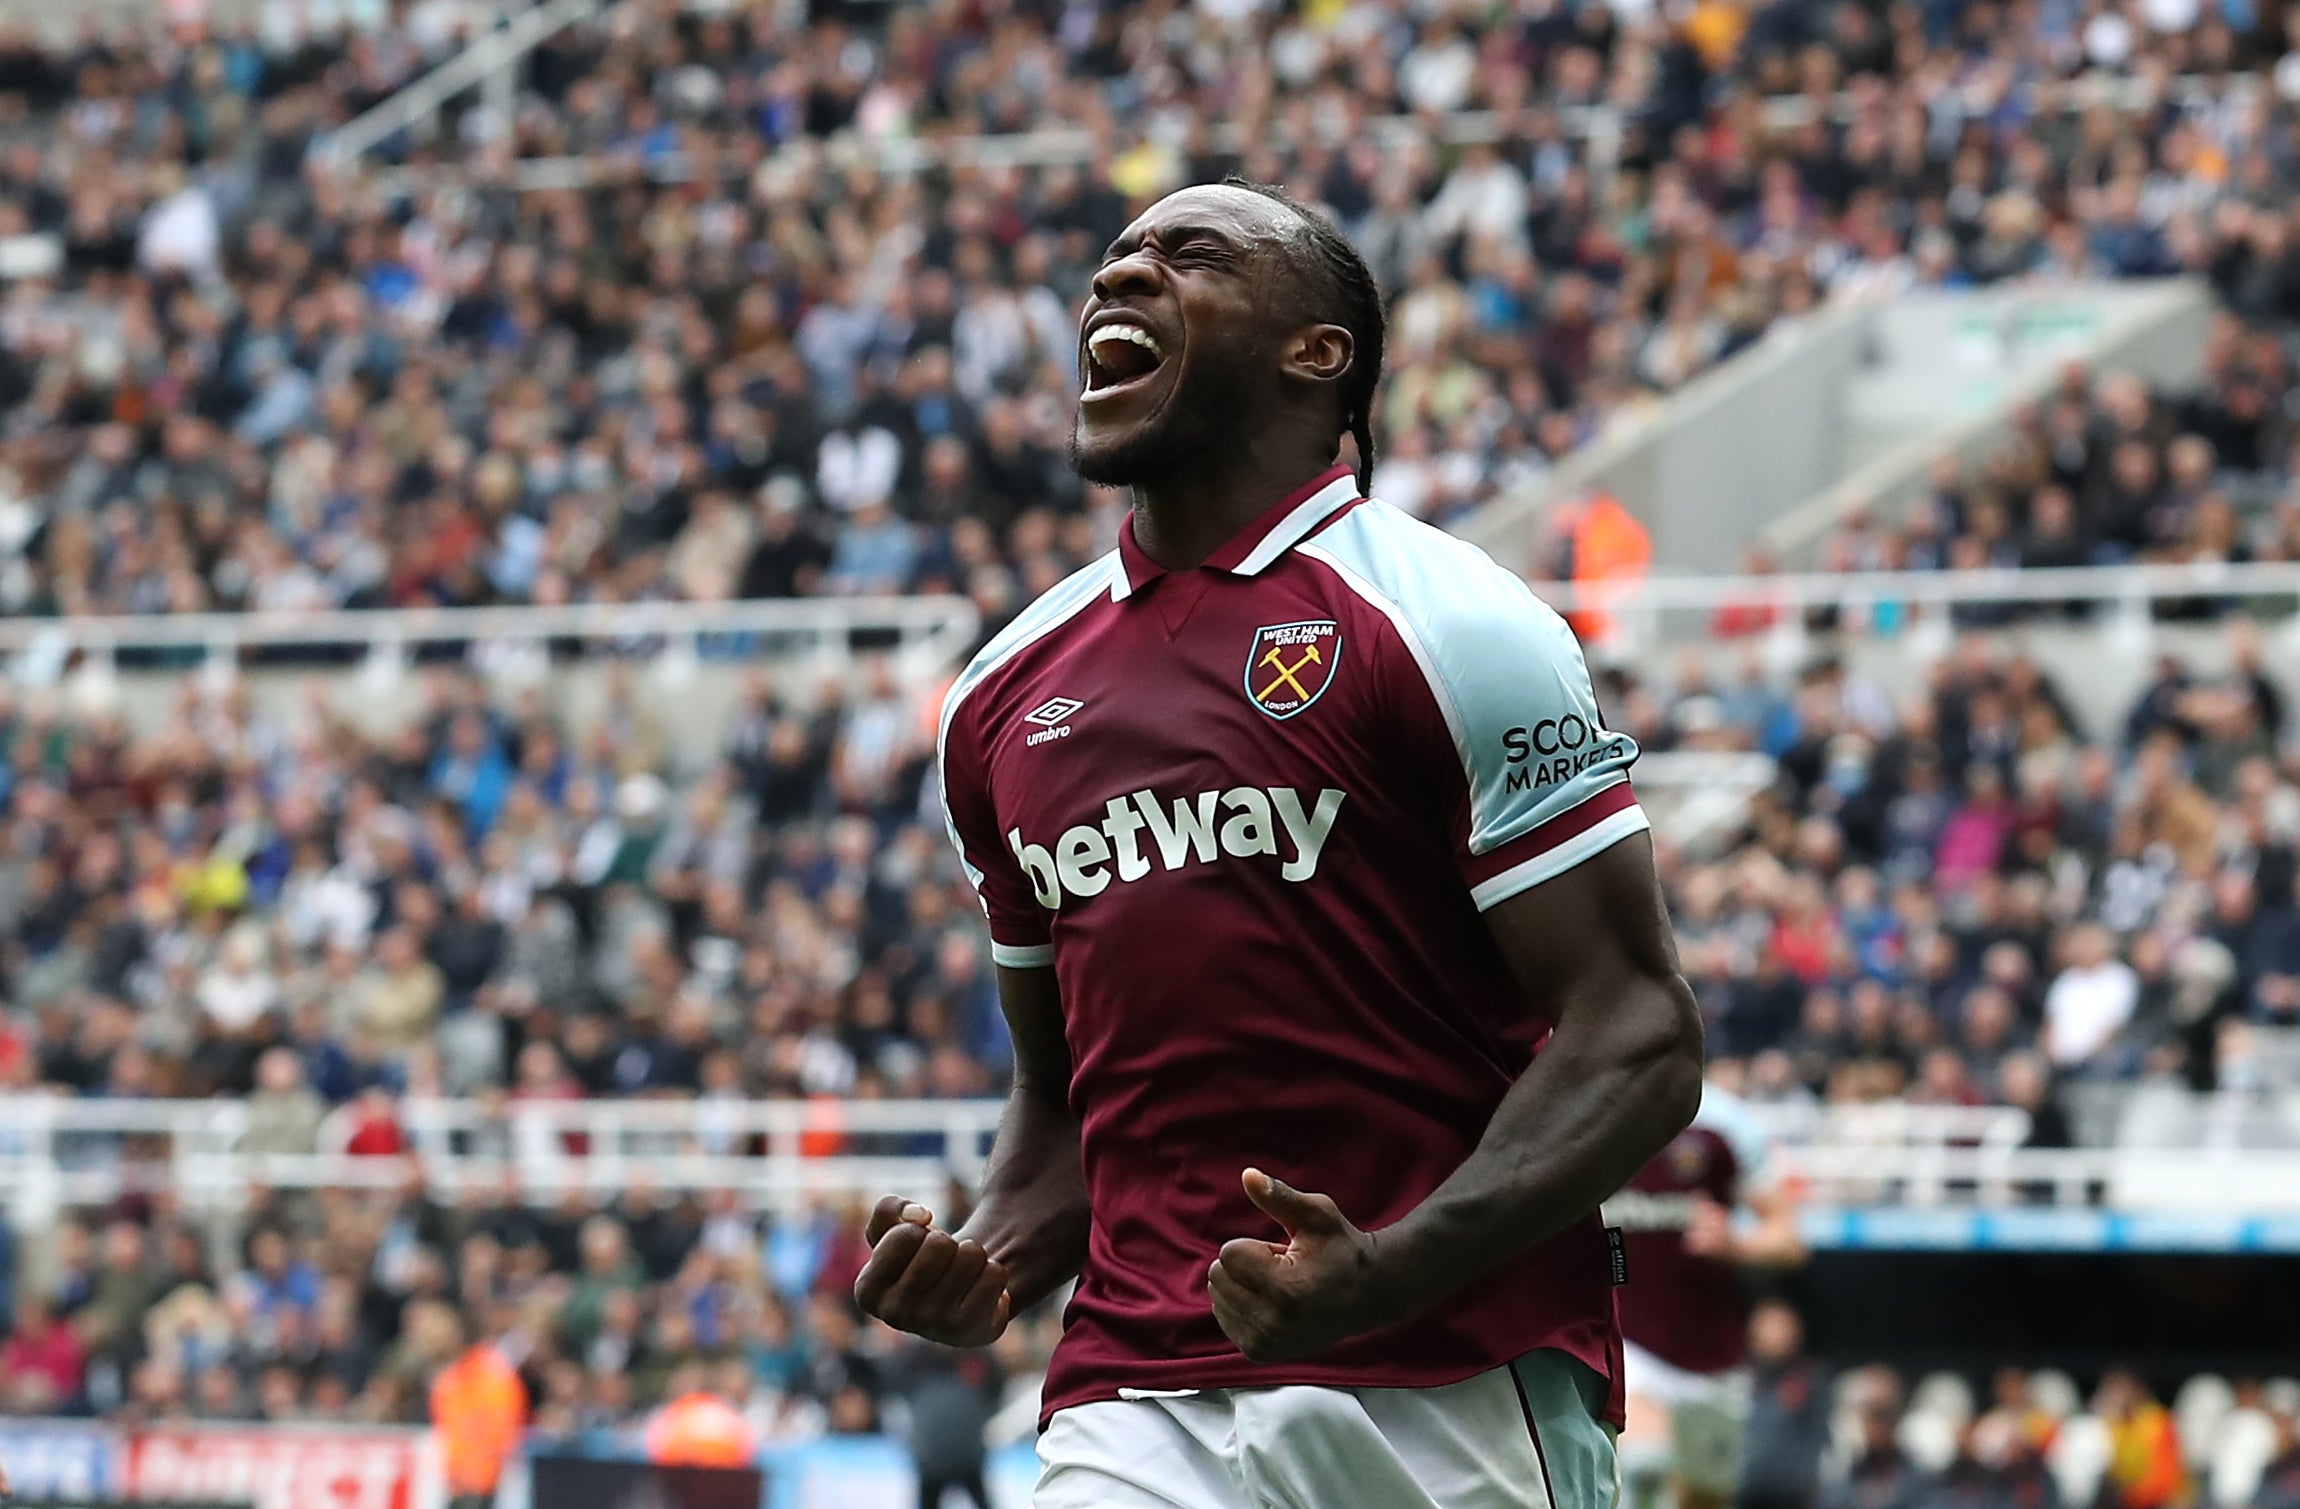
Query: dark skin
{"x":1210,"y":275}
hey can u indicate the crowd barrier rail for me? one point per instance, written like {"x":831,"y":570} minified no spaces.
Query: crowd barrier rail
{"x":786,"y":1156}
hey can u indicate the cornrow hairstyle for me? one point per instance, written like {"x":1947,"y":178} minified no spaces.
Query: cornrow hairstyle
{"x":1356,"y":300}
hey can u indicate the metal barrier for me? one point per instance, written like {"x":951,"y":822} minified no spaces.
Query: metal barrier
{"x":780,"y":1155}
{"x":783,"y":1155}
{"x":2130,"y":589}
{"x":2232,"y":1182}
{"x":932,"y":631}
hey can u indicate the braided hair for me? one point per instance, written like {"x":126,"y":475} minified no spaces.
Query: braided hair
{"x":1355,"y":302}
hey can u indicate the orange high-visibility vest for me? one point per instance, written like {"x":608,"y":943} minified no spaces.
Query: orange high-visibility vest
{"x":1609,"y":548}
{"x":823,"y":1127}
{"x":479,"y":1408}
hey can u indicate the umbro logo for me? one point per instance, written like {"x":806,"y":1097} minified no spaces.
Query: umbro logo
{"x":1048,"y":715}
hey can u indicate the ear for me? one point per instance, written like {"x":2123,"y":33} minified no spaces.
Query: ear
{"x":1318,"y":353}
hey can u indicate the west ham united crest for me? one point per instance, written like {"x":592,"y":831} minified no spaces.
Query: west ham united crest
{"x":1291,"y":665}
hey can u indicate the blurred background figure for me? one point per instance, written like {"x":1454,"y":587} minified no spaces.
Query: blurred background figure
{"x":952,"y":1396}
{"x":479,"y":1407}
{"x":698,"y":1428}
{"x":1711,"y":1205}
{"x":1790,"y":1399}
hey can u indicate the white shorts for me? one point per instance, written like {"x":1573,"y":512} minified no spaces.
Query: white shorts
{"x":1707,"y":1414}
{"x":1526,"y":1436}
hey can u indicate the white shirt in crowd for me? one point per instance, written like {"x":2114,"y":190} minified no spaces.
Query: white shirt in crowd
{"x":2086,"y":1007}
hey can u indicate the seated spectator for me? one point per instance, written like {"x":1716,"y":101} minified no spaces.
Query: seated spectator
{"x":42,"y":1363}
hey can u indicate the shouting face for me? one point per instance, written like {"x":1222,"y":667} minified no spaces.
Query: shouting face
{"x":1181,"y":342}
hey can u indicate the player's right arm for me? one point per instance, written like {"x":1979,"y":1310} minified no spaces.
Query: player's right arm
{"x":1027,"y":1235}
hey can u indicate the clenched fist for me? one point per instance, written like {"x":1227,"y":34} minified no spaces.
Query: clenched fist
{"x":925,"y":1281}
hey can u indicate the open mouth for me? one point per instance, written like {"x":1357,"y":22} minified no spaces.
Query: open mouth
{"x":1119,"y":356}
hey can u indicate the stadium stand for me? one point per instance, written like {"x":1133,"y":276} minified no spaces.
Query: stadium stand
{"x":732,"y":356}
{"x":743,"y":358}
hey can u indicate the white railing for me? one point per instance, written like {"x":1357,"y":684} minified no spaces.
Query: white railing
{"x":1697,"y":798}
{"x":949,"y":624}
{"x":781,"y":1155}
{"x":2231,"y":1182}
{"x":2134,"y":588}
{"x":929,"y":627}
{"x":1903,"y":1124}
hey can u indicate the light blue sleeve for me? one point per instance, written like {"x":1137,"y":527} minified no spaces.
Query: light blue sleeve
{"x":1731,"y":1118}
{"x":1548,"y":782}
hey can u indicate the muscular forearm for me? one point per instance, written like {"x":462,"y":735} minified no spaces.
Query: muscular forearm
{"x":1032,"y":1215}
{"x":1607,"y":1093}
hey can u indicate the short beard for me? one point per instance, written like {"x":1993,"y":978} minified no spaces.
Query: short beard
{"x":1145,"y":458}
{"x":1199,"y":424}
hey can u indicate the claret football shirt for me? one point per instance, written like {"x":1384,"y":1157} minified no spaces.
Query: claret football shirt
{"x":1249,"y":814}
{"x":1683,"y":1307}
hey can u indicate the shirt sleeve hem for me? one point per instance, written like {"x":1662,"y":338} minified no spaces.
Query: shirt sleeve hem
{"x":1021,"y":955}
{"x":1549,"y":862}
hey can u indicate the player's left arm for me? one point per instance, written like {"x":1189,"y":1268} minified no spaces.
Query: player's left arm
{"x":1619,"y":1077}
{"x":1557,"y":856}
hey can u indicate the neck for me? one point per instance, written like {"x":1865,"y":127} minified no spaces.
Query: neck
{"x":1180,"y":520}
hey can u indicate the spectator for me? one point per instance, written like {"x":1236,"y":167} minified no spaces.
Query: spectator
{"x":399,"y":995}
{"x":1788,"y":1428}
{"x":283,"y":1114}
{"x":952,"y":1395}
{"x":2091,"y":999}
{"x":109,"y":1322}
{"x":2280,"y":1480}
{"x":2146,"y":1470}
{"x":1995,"y":1463}
{"x":42,"y":1362}
{"x":1879,"y":1475}
{"x":479,"y":1408}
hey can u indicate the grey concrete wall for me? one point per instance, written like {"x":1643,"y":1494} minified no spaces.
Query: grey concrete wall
{"x":1714,"y":461}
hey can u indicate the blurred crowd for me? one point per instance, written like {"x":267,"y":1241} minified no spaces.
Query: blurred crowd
{"x":486,"y":900}
{"x":2106,"y":472}
{"x":1867,"y":1438}
{"x":1962,"y":897}
{"x":345,"y":1306}
{"x":741,"y":350}
{"x":1959,"y":898}
{"x":732,"y":301}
